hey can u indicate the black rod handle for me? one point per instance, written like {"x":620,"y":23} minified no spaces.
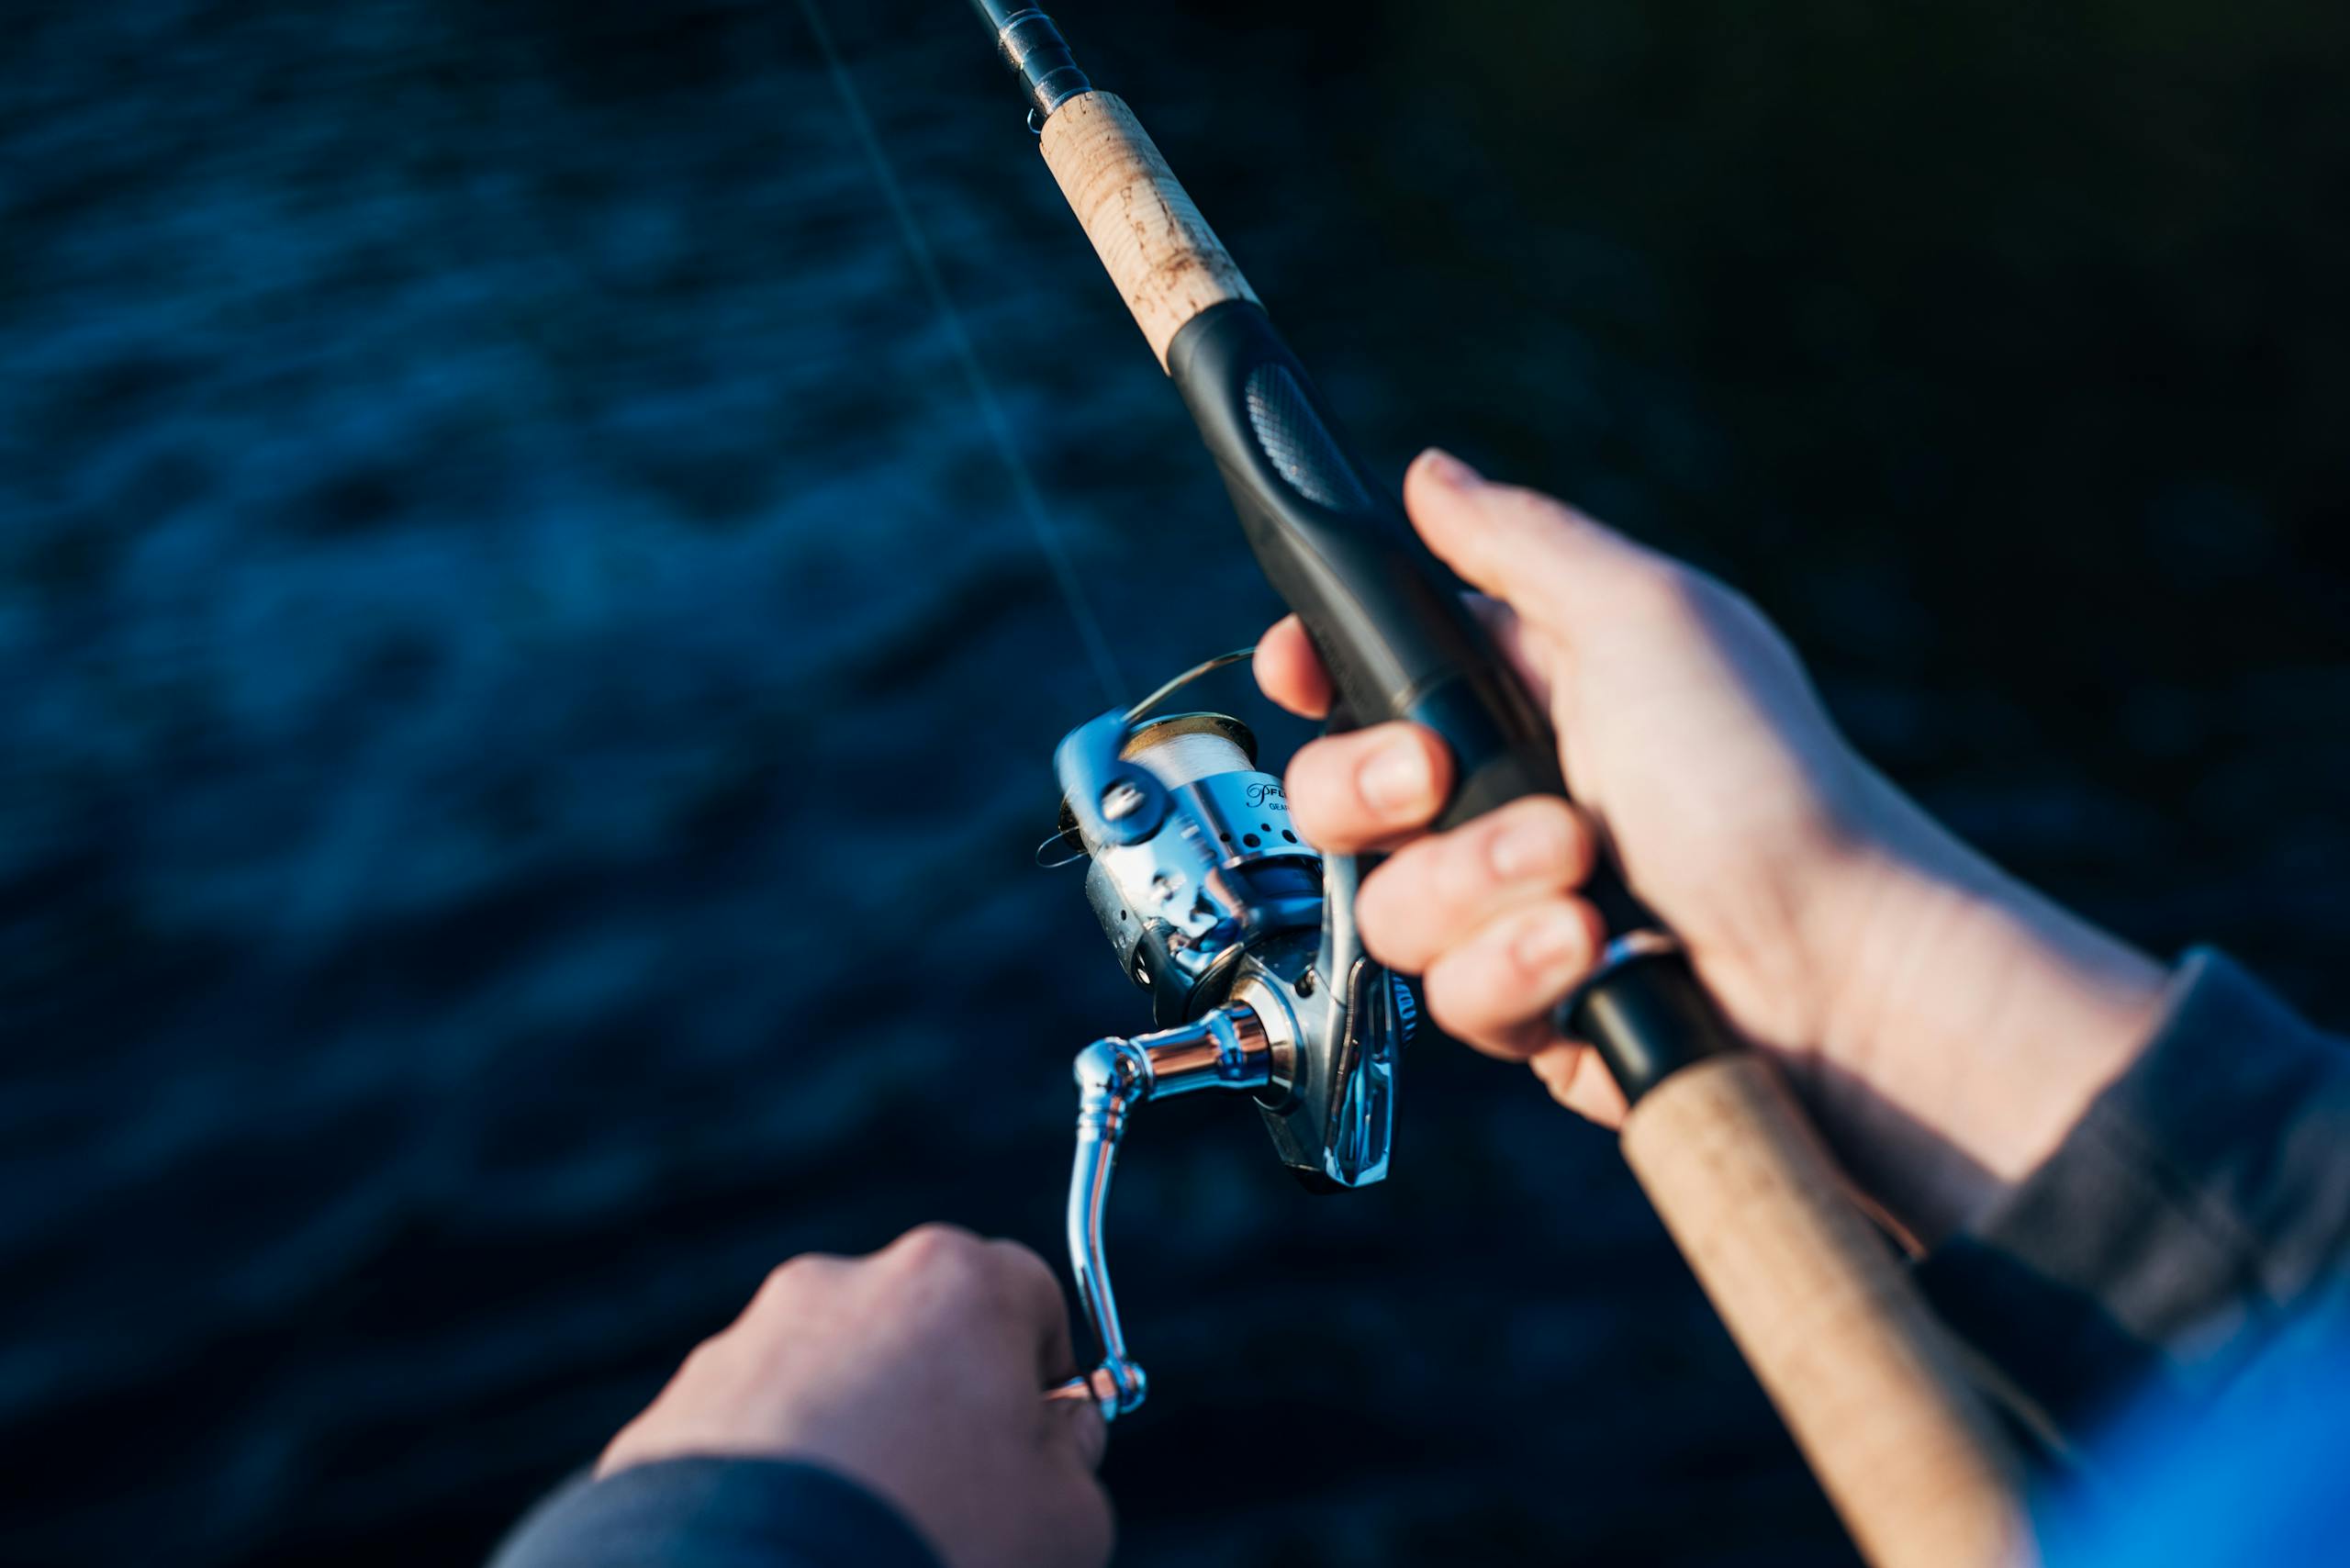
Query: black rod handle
{"x":1399,"y":643}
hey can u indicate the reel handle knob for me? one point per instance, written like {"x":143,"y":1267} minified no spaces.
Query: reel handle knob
{"x":1226,"y":1049}
{"x":1115,"y":1387}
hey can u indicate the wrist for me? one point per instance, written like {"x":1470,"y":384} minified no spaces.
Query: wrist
{"x":1971,"y":1022}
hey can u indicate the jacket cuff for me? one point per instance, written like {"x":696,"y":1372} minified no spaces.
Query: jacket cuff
{"x":2200,"y":1199}
{"x":715,"y":1512}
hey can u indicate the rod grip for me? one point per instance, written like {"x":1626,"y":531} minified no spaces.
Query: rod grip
{"x":1859,"y":1370}
{"x":1167,"y":262}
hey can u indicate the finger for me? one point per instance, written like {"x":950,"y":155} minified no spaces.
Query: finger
{"x":1290,"y":672}
{"x":1556,"y":566}
{"x":1496,"y":990}
{"x":1537,"y":656}
{"x":1438,"y":892}
{"x":1025,"y":1284}
{"x":1578,"y":1080}
{"x":784,"y":1284}
{"x":1368,"y":787}
{"x":1080,"y":1424}
{"x":1030,"y":1288}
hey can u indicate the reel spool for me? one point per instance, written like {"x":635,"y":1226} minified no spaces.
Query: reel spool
{"x":1179,"y":921}
{"x":1243,"y":936}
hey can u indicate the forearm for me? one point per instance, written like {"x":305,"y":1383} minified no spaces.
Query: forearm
{"x":2201,"y":1202}
{"x":715,"y":1513}
{"x":1977,"y":1022}
{"x":2126,"y":1175}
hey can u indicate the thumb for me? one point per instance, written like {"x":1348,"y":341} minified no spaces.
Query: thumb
{"x":1554,"y":565}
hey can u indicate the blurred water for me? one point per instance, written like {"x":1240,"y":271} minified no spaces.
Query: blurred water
{"x":525,"y":698}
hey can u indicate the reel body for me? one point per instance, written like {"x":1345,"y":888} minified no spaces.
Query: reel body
{"x":1243,"y":937}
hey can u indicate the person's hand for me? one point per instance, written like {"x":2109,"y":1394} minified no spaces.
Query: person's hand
{"x":919,"y":1372}
{"x":1946,"y":1025}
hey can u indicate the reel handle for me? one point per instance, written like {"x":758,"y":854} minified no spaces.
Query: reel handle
{"x":1227,"y":1049}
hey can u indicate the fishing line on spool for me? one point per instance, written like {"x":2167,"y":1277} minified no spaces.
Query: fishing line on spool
{"x":959,"y":340}
{"x":1064,"y":846}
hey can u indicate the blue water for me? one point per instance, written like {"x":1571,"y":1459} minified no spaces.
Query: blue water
{"x":525,"y":695}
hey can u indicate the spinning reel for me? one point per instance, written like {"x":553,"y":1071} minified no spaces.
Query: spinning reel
{"x":1244,"y":936}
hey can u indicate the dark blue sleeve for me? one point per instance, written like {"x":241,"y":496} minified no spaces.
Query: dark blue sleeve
{"x":715,"y":1513}
{"x":2201,"y":1207}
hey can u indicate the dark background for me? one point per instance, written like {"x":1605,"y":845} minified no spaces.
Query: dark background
{"x":525,"y":696}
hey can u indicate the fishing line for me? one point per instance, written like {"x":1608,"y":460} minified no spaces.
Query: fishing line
{"x":959,"y":340}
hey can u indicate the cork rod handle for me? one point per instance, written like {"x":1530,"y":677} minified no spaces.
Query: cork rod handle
{"x":1160,"y":252}
{"x":1860,"y":1372}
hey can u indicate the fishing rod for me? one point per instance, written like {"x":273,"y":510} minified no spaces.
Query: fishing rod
{"x":1244,"y":935}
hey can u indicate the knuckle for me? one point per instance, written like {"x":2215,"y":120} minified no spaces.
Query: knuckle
{"x":1581,"y":840}
{"x":946,"y":1251}
{"x":705,"y":1363}
{"x":1509,"y":972}
{"x":1654,"y":590}
{"x":1386,"y":912}
{"x":1476,"y":1021}
{"x":1024,"y":1288}
{"x":1390,"y":946}
{"x":1545,"y":830}
{"x":936,"y":1239}
{"x":1367,"y":786}
{"x":1595,"y":926}
{"x":1466,"y":869}
{"x":1560,"y":1070}
{"x":1531,"y":506}
{"x":787,"y":1277}
{"x":1557,"y":932}
{"x":1020,"y":1265}
{"x":1314,"y":787}
{"x":1449,"y":1002}
{"x":788,"y":1285}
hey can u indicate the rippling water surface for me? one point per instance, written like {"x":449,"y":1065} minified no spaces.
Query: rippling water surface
{"x":526,"y":698}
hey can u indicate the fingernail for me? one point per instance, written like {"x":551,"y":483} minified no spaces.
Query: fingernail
{"x":1524,"y":850}
{"x":1395,"y":777}
{"x":1548,"y":941}
{"x":1448,"y":470}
